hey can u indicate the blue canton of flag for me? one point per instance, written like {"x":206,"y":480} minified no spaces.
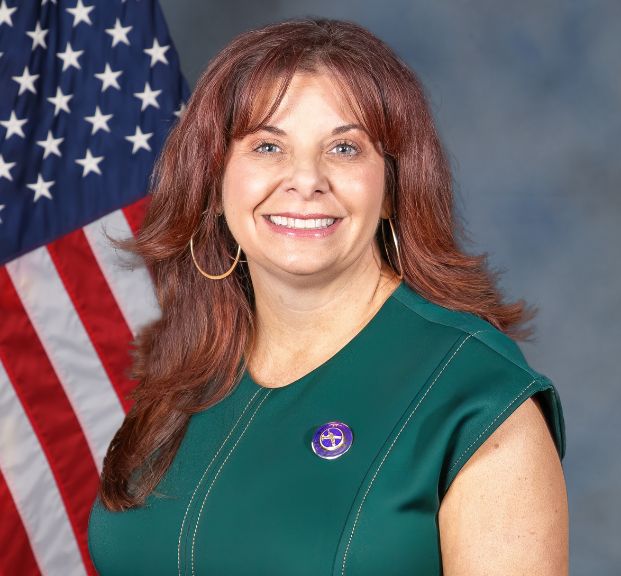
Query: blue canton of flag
{"x":88,"y":93}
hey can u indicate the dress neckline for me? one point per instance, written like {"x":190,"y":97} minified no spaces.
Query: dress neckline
{"x":338,"y":354}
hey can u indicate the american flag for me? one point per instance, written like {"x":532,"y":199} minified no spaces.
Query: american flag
{"x":89,"y":90}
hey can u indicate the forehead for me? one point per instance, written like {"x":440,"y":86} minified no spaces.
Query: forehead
{"x":320,"y":87}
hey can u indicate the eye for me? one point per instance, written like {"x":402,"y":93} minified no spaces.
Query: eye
{"x":349,"y":145}
{"x":264,"y":145}
{"x":264,"y":148}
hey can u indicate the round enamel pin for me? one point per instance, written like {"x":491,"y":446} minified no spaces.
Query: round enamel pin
{"x":332,"y":440}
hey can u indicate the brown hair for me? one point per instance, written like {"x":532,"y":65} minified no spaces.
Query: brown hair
{"x":194,"y":354}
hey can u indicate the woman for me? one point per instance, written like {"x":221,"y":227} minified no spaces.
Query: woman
{"x":347,"y":398}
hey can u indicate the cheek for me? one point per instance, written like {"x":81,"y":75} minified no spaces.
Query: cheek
{"x":366,"y":193}
{"x":242,"y":191}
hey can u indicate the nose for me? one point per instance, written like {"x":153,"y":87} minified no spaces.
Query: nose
{"x":307,"y":176}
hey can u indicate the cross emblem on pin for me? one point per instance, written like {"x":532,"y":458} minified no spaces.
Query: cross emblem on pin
{"x":332,"y":440}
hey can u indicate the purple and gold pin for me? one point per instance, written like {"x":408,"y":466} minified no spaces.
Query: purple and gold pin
{"x":332,"y":440}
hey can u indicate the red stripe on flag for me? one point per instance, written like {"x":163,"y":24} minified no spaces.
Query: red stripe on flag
{"x":134,"y":213}
{"x":49,"y":411}
{"x":17,"y":556}
{"x":98,"y":310}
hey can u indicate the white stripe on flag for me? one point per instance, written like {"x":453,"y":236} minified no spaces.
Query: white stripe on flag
{"x":69,"y":349}
{"x":132,"y":289}
{"x":34,"y":489}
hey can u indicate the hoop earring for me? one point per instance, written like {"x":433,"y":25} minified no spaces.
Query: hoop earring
{"x":394,"y":237}
{"x":218,"y":214}
{"x":211,"y":276}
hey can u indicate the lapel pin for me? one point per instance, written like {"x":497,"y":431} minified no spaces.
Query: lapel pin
{"x":332,"y":440}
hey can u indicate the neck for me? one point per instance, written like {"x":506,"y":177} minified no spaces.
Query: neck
{"x":300,"y":325}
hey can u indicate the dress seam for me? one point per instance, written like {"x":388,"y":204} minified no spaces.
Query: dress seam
{"x":527,"y":369}
{"x":203,"y":477}
{"x":379,"y":466}
{"x":488,"y":427}
{"x":538,"y":380}
{"x":218,"y":473}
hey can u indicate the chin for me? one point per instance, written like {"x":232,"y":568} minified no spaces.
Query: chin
{"x":306,"y":269}
{"x":310,"y":270}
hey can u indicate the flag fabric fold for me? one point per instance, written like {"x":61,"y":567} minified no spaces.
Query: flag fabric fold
{"x":89,"y":90}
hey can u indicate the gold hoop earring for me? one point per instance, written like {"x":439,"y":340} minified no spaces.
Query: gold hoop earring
{"x":211,"y":276}
{"x":394,"y":237}
{"x":218,"y":215}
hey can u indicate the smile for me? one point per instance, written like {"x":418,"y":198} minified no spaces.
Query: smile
{"x":302,"y":224}
{"x":307,"y":228}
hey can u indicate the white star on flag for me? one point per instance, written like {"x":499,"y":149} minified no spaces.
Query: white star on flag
{"x":157,"y":53}
{"x":99,"y":121}
{"x":118,"y":33}
{"x":90,"y":163}
{"x":70,"y":57}
{"x":148,"y":97}
{"x":60,"y":101}
{"x":13,"y":126}
{"x":139,"y":140}
{"x":5,"y":168}
{"x":179,"y":112}
{"x":50,"y":144}
{"x":109,"y":78}
{"x":26,"y":81}
{"x":38,"y":36}
{"x":80,"y":13}
{"x":41,"y":188}
{"x":1,"y":209}
{"x":5,"y":14}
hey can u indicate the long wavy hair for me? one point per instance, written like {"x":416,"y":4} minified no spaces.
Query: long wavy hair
{"x":194,"y":354}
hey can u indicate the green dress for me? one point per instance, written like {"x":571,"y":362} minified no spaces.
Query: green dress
{"x":420,"y":386}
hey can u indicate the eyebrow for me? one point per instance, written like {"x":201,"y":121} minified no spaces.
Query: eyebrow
{"x":336,"y":131}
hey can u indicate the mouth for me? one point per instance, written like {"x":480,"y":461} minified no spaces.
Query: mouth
{"x":299,"y":222}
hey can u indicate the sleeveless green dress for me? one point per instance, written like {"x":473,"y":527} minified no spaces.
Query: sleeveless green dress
{"x":420,"y":386}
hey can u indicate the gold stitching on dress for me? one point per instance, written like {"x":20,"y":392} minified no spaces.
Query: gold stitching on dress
{"x":203,"y":476}
{"x":353,"y":529}
{"x":198,"y":518}
{"x":489,"y":426}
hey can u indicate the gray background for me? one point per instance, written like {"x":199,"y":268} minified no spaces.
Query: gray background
{"x":527,"y":98}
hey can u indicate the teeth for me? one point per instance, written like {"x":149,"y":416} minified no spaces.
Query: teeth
{"x":311,"y":223}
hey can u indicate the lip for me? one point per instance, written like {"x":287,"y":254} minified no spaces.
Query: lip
{"x":301,"y":216}
{"x":302,"y":233}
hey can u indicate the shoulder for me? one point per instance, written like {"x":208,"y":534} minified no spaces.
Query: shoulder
{"x":499,"y":424}
{"x":468,"y":326}
{"x":512,"y":490}
{"x":482,"y":379}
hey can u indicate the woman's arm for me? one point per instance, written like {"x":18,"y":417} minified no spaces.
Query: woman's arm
{"x":506,"y":512}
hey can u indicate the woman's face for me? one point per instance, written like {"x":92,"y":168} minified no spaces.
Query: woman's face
{"x":305,"y":166}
